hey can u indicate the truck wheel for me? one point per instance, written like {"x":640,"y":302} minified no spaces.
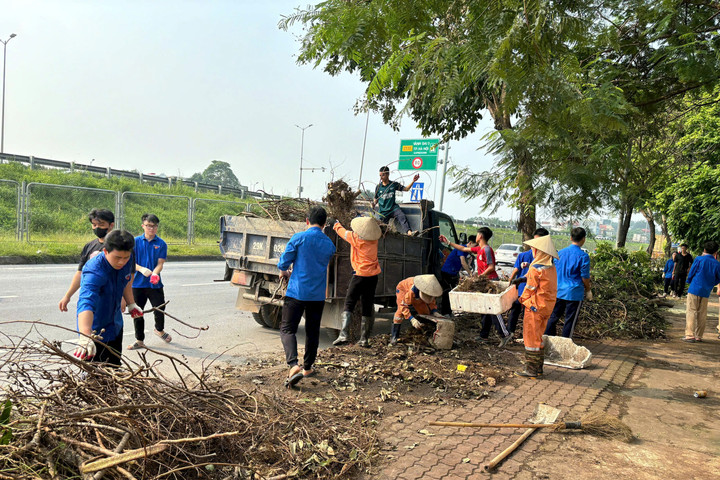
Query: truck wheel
{"x":272,"y":316}
{"x":259,"y":318}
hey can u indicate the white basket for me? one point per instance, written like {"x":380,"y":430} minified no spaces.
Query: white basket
{"x":476,"y":302}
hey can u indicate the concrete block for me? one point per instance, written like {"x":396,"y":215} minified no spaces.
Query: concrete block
{"x":563,"y":352}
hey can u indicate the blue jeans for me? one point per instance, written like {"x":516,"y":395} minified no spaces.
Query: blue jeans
{"x":400,"y":217}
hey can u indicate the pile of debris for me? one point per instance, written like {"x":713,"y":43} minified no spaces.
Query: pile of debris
{"x":478,"y":283}
{"x":64,"y":418}
{"x":340,"y":202}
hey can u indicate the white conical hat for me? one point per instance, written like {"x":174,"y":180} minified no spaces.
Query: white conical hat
{"x":429,"y":285}
{"x":544,"y":244}
{"x":367,"y":228}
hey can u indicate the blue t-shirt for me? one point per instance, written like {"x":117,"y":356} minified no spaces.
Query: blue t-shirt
{"x":147,"y":254}
{"x":453,"y":264}
{"x":524,"y":257}
{"x":101,"y":290}
{"x":704,"y":275}
{"x":669,"y":266}
{"x":309,"y":252}
{"x":572,"y":266}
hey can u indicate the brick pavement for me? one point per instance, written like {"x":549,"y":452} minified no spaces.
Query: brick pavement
{"x":458,"y":453}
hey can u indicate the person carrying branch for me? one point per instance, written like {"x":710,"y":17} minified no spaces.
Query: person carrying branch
{"x":418,"y":292}
{"x":309,"y":253}
{"x":106,"y":279}
{"x":363,"y":240}
{"x":385,"y":200}
{"x":150,"y":256}
{"x":539,"y":299}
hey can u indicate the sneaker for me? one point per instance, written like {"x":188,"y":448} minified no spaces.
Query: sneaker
{"x":506,"y":340}
{"x":139,"y":344}
{"x":483,"y":340}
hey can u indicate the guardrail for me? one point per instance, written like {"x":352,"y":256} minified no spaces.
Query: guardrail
{"x":32,"y":161}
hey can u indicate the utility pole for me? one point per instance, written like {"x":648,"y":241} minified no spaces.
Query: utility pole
{"x":302,"y":146}
{"x":2,"y":123}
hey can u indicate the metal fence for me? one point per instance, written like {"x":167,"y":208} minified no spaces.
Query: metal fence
{"x":172,"y":210}
{"x":206,"y":213}
{"x":9,"y":210}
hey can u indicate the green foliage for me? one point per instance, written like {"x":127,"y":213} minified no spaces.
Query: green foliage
{"x":218,"y":173}
{"x":5,"y":431}
{"x":622,"y":284}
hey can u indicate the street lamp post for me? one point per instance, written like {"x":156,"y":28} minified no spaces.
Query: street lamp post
{"x":302,"y":146}
{"x":442,"y":179}
{"x":2,"y":123}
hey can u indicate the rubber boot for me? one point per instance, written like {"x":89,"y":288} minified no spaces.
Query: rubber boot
{"x":345,"y":332}
{"x":541,"y":360}
{"x":395,"y":334}
{"x":531,"y":365}
{"x":365,"y":330}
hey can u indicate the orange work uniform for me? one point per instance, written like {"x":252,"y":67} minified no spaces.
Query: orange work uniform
{"x":539,"y":299}
{"x":408,"y":295}
{"x":363,"y":254}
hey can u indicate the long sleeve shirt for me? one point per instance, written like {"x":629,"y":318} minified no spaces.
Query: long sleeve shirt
{"x":669,"y":267}
{"x":703,"y":276}
{"x":101,"y":291}
{"x":363,"y":253}
{"x":541,"y":291}
{"x":309,"y":253}
{"x":524,"y":257}
{"x":408,"y":295}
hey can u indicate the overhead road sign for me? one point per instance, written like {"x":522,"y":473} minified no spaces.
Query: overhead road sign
{"x":418,"y":154}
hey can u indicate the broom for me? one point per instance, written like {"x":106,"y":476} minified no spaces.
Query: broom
{"x":594,"y":423}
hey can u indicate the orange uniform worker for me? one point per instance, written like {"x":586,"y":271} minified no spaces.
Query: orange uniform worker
{"x":363,"y":240}
{"x":539,"y":300}
{"x":418,"y":292}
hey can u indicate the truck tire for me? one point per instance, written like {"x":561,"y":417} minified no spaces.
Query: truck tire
{"x":272,"y":316}
{"x":259,"y":318}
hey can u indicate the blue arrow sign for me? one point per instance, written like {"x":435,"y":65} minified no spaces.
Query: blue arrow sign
{"x":416,"y":192}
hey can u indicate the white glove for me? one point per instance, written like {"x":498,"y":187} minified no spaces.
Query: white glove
{"x":145,"y":271}
{"x":85,"y":349}
{"x":134,"y":310}
{"x":588,"y":295}
{"x":416,"y":323}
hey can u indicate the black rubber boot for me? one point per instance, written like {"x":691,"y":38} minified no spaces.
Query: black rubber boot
{"x":366,"y":330}
{"x":531,"y":366}
{"x":345,"y":332}
{"x":395,"y":334}
{"x":541,"y":361}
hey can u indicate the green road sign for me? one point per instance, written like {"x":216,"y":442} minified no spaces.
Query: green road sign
{"x":418,"y":154}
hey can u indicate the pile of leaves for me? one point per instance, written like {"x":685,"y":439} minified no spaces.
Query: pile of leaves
{"x":64,"y":418}
{"x":479,"y":284}
{"x":624,"y":287}
{"x":340,"y":202}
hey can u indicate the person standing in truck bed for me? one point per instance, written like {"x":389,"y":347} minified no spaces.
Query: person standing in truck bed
{"x":385,"y":200}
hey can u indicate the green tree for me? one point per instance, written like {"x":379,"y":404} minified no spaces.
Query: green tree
{"x":217,"y":173}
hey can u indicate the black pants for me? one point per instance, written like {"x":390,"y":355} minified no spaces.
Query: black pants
{"x":497,"y":320}
{"x":571,"y":309}
{"x":292,"y":312}
{"x":680,"y":279}
{"x":156,"y":297}
{"x":110,"y":354}
{"x":668,"y":284}
{"x":363,"y":289}
{"x":514,"y":315}
{"x":448,"y":282}
{"x":400,"y":217}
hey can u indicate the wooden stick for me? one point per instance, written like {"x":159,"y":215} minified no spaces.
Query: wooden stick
{"x":121,"y":458}
{"x":493,"y":425}
{"x":494,"y":462}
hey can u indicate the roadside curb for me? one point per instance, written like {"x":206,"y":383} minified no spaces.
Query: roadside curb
{"x":54,"y":259}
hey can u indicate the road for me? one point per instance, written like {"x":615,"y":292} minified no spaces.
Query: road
{"x":32,"y":292}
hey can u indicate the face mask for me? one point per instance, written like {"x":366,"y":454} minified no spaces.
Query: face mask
{"x":100,"y":232}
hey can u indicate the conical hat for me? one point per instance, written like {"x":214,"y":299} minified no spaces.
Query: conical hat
{"x":429,"y":285}
{"x":544,"y":244}
{"x":366,"y":228}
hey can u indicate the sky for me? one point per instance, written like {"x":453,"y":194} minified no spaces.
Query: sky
{"x":167,"y":87}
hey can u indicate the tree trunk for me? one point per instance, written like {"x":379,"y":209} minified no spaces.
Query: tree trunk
{"x":524,"y":182}
{"x":624,"y":221}
{"x":668,"y":241}
{"x":649,"y":216}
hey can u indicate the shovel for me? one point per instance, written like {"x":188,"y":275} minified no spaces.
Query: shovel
{"x":543,"y":414}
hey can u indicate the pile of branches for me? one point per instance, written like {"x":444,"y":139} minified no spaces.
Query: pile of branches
{"x":288,"y":209}
{"x":478,"y":284}
{"x":623,"y":305}
{"x":341,"y":202}
{"x":64,"y":418}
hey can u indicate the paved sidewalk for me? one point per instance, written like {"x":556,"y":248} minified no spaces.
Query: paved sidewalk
{"x":458,"y":453}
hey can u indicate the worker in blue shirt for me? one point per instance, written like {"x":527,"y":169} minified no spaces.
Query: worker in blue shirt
{"x":150,"y":256}
{"x":520,"y":270}
{"x":106,"y":279}
{"x":309,"y":253}
{"x":573,"y":284}
{"x":704,"y":274}
{"x":668,"y":274}
{"x":455,"y":262}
